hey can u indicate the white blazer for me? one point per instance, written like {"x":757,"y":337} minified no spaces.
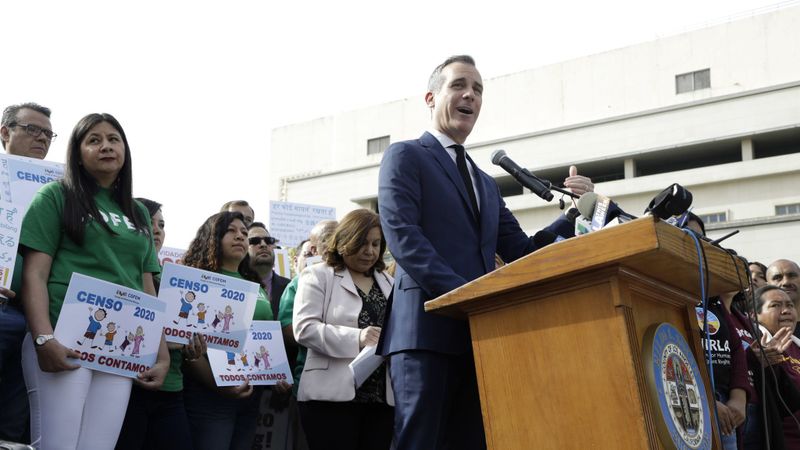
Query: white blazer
{"x":325,"y":320}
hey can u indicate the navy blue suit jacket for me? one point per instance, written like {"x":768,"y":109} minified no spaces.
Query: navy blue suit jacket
{"x":436,"y":241}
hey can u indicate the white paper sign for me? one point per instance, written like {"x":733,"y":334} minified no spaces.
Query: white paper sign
{"x":283,"y":263}
{"x":262,"y":361}
{"x":199,"y":301}
{"x":170,"y":255}
{"x":116,"y":329}
{"x":291,"y":222}
{"x":20,"y":178}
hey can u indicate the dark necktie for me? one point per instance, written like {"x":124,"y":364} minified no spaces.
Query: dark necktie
{"x":461,"y":162}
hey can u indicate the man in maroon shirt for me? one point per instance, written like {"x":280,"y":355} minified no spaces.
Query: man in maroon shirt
{"x":777,"y":315}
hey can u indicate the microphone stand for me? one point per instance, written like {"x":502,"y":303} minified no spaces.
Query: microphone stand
{"x":550,"y":185}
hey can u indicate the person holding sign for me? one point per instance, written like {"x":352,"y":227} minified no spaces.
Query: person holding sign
{"x":90,"y":224}
{"x":222,"y":417}
{"x":339,"y":310}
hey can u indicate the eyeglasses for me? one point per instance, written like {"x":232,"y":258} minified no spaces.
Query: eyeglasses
{"x":34,"y":130}
{"x":269,"y":240}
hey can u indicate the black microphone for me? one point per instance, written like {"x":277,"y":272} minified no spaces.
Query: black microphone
{"x":523,"y":177}
{"x":672,"y":201}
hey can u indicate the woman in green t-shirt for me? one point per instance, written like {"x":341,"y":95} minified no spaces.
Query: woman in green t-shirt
{"x":157,"y":419}
{"x":222,"y":417}
{"x":87,"y":223}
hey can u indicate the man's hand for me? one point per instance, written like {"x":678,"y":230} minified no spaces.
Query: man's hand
{"x":773,"y":350}
{"x":53,"y":356}
{"x":7,"y":293}
{"x":578,"y":184}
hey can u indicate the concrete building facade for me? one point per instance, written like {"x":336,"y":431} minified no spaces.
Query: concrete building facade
{"x":716,"y":110}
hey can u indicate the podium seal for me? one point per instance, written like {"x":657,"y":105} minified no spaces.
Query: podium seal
{"x":675,"y":386}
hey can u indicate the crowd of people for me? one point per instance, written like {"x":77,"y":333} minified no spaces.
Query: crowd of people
{"x":445,"y":224}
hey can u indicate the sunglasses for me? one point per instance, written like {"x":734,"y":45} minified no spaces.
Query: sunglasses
{"x":269,"y":240}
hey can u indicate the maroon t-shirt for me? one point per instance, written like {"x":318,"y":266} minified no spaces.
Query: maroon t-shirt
{"x":742,"y":326}
{"x":791,"y":365}
{"x":727,"y":352}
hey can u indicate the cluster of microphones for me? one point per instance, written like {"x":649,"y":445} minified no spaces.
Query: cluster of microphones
{"x":595,"y":211}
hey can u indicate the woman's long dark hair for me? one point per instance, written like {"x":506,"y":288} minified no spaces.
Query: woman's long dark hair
{"x":80,"y":188}
{"x":205,"y":251}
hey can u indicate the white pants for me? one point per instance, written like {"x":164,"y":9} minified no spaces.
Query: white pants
{"x":77,"y":409}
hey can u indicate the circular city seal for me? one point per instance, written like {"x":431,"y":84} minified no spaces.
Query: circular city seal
{"x":674,"y":382}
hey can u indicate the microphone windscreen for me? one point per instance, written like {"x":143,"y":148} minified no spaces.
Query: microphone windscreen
{"x":587,"y":203}
{"x":672,"y":201}
{"x":497,"y":155}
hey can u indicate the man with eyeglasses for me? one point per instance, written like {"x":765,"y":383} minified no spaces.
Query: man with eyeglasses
{"x":25,"y":130}
{"x":262,"y":261}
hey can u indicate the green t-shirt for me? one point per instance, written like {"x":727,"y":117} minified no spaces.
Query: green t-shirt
{"x":263,"y":310}
{"x":120,"y":258}
{"x":285,"y":312}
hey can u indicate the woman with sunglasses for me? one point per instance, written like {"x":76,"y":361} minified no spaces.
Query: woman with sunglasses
{"x":87,"y":223}
{"x":221,"y":417}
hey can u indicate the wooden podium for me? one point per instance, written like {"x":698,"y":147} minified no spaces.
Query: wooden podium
{"x":557,"y":335}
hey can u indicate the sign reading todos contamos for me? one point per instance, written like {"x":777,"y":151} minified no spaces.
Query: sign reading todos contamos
{"x":262,"y":360}
{"x":116,"y":329}
{"x":198,"y":301}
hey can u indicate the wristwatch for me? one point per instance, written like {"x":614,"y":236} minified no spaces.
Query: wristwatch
{"x":42,"y":339}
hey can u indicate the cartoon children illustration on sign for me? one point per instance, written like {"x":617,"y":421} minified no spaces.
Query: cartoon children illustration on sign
{"x":111,"y":331}
{"x":217,"y":319}
{"x":231,"y":360}
{"x":265,"y":358}
{"x":137,"y":341}
{"x":245,"y":365}
{"x":186,"y":306}
{"x":201,"y":315}
{"x":94,"y":326}
{"x":227,"y":317}
{"x":126,"y":342}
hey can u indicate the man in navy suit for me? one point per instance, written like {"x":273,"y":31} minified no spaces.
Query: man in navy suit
{"x":444,"y":220}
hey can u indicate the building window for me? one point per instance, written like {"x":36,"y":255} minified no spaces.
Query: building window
{"x":785,"y":210}
{"x":693,"y":81}
{"x":377,"y":145}
{"x":713,"y":218}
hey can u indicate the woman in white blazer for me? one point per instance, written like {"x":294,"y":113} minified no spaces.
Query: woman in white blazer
{"x":338,"y":310}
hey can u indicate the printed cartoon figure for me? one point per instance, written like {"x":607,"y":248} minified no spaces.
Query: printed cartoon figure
{"x":201,"y":315}
{"x":128,"y":338}
{"x":94,"y":326}
{"x":231,"y":360}
{"x":137,"y":341}
{"x":226,"y":318}
{"x":265,"y":358}
{"x":111,"y":331}
{"x":217,"y":319}
{"x":186,"y":306}
{"x":245,"y":365}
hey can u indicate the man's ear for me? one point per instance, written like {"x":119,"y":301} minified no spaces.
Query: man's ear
{"x":430,"y":99}
{"x":4,"y":134}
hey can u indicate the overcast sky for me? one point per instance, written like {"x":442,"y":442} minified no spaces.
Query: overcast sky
{"x":198,"y":86}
